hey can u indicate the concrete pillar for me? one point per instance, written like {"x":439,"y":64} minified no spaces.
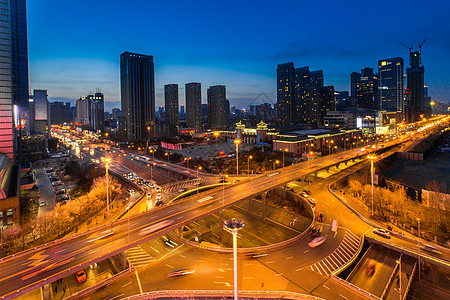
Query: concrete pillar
{"x":180,"y":231}
{"x":220,"y":233}
{"x":264,"y":198}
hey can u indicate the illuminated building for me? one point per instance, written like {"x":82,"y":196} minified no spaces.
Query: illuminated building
{"x":390,"y":84}
{"x":415,"y":106}
{"x":137,"y":82}
{"x":171,"y":106}
{"x":286,"y":109}
{"x":217,"y":107}
{"x":193,"y":92}
{"x":366,"y":89}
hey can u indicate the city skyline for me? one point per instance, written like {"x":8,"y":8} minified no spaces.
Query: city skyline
{"x":69,"y":66}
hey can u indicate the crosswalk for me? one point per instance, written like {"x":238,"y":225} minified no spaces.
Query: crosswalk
{"x":138,"y":257}
{"x":340,"y":256}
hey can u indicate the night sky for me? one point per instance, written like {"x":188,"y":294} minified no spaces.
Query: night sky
{"x":74,"y":46}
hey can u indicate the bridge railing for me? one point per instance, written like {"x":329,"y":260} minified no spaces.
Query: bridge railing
{"x":220,"y":294}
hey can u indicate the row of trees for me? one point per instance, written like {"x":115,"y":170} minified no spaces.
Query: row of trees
{"x":61,"y":221}
{"x":396,"y":205}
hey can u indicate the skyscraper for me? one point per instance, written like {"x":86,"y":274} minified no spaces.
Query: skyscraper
{"x":137,"y":81}
{"x":171,"y":106}
{"x":97,"y":116}
{"x":301,"y":84}
{"x":313,"y":104}
{"x":327,"y":101}
{"x":193,"y":92}
{"x":354,"y":78}
{"x":415,"y":106}
{"x":391,"y":84}
{"x":217,"y":107}
{"x":366,"y":89}
{"x":6,"y":101}
{"x":286,"y":108}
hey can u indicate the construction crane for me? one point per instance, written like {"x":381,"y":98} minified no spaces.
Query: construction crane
{"x":421,"y":44}
{"x":410,"y":47}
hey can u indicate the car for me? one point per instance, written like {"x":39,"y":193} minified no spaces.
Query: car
{"x":317,"y":241}
{"x":182,"y":190}
{"x":81,"y":276}
{"x":314,"y":232}
{"x":312,"y":201}
{"x":62,"y":198}
{"x":49,"y":170}
{"x":334,"y":226}
{"x":56,"y":183}
{"x":149,"y":196}
{"x":53,"y":179}
{"x":158,"y":197}
{"x":236,"y":181}
{"x":180,"y":272}
{"x":159,"y":203}
{"x":431,"y":248}
{"x":158,"y":189}
{"x":60,"y":192}
{"x":370,"y":268}
{"x":382,"y":232}
{"x":320,"y":218}
{"x":42,"y":203}
{"x":304,"y":195}
{"x":131,"y":191}
{"x":307,"y":192}
{"x":222,"y":180}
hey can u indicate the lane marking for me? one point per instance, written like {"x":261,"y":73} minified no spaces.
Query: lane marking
{"x":157,"y":251}
{"x":169,"y":266}
{"x":280,"y":274}
{"x":139,"y":282}
{"x":126,"y":284}
{"x":298,"y":269}
{"x":306,"y":251}
{"x":326,"y":287}
{"x":290,"y":257}
{"x":343,"y":296}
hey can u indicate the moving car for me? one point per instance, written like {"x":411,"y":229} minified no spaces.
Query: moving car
{"x":315,"y":232}
{"x":334,"y":226}
{"x":159,"y":203}
{"x":158,"y":197}
{"x":317,"y":242}
{"x":312,"y":201}
{"x":370,"y":268}
{"x":42,"y":203}
{"x":180,"y":272}
{"x":431,"y":248}
{"x":382,"y":232}
{"x":182,"y":190}
{"x":307,"y":192}
{"x":56,"y":183}
{"x":81,"y":276}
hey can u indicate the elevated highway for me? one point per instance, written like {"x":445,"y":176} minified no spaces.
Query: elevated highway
{"x":34,"y":268}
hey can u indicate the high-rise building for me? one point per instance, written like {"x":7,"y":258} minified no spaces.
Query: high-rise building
{"x":217,"y":107}
{"x":60,"y":113}
{"x":40,"y":114}
{"x":90,"y":112}
{"x":116,"y":113}
{"x":342,"y":100}
{"x":137,"y":81}
{"x":6,"y":100}
{"x":415,"y":106}
{"x":286,"y":109}
{"x":301,"y":84}
{"x":366,"y":89}
{"x":327,"y":101}
{"x":354,"y":78}
{"x":193,"y":92}
{"x":391,"y":84}
{"x":171,"y":106}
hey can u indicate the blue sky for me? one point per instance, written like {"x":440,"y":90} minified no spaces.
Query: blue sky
{"x":74,"y":46}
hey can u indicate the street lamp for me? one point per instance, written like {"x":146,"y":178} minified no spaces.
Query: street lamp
{"x":237,"y":142}
{"x":248,"y":163}
{"x":148,"y":128}
{"x":234,"y":225}
{"x":107,"y":160}
{"x":399,"y":262}
{"x":418,"y":234}
{"x":372,"y":170}
{"x":168,"y":156}
{"x":285,"y":150}
{"x":198,"y":168}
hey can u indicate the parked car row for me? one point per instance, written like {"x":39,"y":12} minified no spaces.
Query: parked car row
{"x":57,"y":186}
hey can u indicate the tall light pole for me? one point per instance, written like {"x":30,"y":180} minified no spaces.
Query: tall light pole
{"x":399,"y":262}
{"x":248,"y":163}
{"x":237,"y":142}
{"x":198,"y":168}
{"x":372,"y":170}
{"x":285,"y":150}
{"x":148,"y":128}
{"x":168,"y":156}
{"x":418,"y":234}
{"x":107,"y":160}
{"x":235,"y":225}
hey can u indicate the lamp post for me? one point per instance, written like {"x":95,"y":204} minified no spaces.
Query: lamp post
{"x":148,"y":128}
{"x":372,"y":170}
{"x":285,"y":150}
{"x":168,"y":156}
{"x":234,"y":225}
{"x":198,"y":168}
{"x":248,"y":163}
{"x":418,"y":234}
{"x":237,"y":142}
{"x":107,"y":160}
{"x":399,"y":262}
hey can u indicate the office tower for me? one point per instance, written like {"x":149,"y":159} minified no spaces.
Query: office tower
{"x":217,"y":107}
{"x":354,"y":78}
{"x":171,"y":106}
{"x":60,"y":113}
{"x":137,"y":81}
{"x":313,"y":105}
{"x":307,"y":93}
{"x":366,"y":89}
{"x":327,"y":101}
{"x":41,"y":114}
{"x":97,"y":116}
{"x":90,"y":112}
{"x":193,"y":92}
{"x":415,"y":107}
{"x":205,"y":110}
{"x":286,"y":109}
{"x":227,"y":111}
{"x":342,"y":100}
{"x":6,"y":101}
{"x":390,"y":84}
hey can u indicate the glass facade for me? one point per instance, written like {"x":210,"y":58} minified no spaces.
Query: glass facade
{"x":171,"y":106}
{"x":193,"y":92}
{"x":6,"y":102}
{"x":390,"y":84}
